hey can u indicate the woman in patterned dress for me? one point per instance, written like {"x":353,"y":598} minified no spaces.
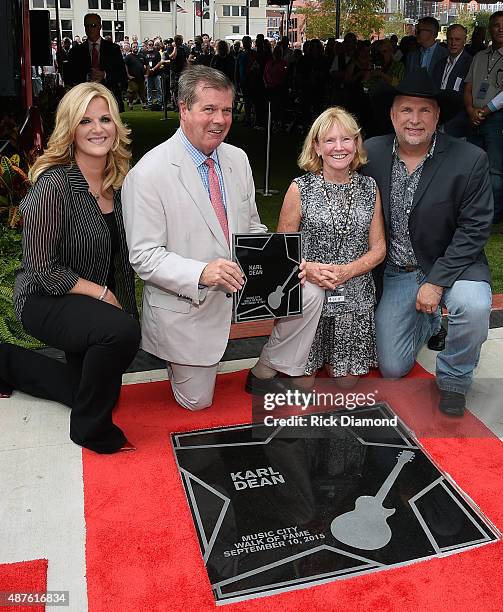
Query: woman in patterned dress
{"x":339,"y":213}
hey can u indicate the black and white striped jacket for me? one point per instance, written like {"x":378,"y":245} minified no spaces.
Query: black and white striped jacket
{"x":66,"y":237}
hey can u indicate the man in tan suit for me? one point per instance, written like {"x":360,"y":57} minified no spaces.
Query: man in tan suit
{"x":182,"y":202}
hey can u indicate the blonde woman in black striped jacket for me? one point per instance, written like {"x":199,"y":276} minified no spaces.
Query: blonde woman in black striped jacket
{"x":75,"y":288}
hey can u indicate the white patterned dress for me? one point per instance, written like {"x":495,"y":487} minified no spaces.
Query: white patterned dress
{"x":345,"y":338}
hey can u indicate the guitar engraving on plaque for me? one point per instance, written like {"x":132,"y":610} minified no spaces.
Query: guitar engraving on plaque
{"x":275,"y":297}
{"x":366,"y":526}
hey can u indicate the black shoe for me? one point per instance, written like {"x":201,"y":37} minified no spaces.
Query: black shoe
{"x":437,"y":342}
{"x":261,"y":386}
{"x":5,"y":389}
{"x":452,"y":403}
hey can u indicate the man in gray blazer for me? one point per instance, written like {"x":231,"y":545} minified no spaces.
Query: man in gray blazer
{"x":438,"y":207}
{"x":182,"y":202}
{"x":430,"y":52}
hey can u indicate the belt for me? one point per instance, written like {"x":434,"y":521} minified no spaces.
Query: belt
{"x":403,"y":268}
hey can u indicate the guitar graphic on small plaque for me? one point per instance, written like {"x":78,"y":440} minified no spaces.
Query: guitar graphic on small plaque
{"x":366,"y":526}
{"x":275,"y":297}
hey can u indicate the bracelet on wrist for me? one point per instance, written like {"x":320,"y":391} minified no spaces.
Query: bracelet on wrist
{"x":103,"y":293}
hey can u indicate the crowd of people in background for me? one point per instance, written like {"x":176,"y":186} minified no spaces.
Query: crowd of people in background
{"x":301,"y":81}
{"x":413,"y":196}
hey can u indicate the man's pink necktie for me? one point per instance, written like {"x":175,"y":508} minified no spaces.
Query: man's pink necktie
{"x":216,"y":197}
{"x":95,"y":61}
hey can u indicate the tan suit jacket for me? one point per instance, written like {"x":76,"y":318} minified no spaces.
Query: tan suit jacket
{"x":172,"y":233}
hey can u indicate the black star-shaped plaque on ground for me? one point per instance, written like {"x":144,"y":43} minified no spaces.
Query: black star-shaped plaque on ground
{"x":333,"y":495}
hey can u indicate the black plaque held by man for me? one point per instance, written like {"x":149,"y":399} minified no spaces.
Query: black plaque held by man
{"x":270,"y":263}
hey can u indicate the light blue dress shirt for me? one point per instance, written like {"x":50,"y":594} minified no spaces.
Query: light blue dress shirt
{"x":426,"y":55}
{"x":199,"y":158}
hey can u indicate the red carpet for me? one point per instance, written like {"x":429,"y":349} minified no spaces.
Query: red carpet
{"x":23,"y":577}
{"x":142,"y":549}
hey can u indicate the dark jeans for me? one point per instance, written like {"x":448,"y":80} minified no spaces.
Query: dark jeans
{"x":99,"y":341}
{"x":174,"y":78}
{"x":260,"y":104}
{"x":248,"y":104}
{"x":277,"y":97}
{"x":489,"y":136}
{"x":116,"y":89}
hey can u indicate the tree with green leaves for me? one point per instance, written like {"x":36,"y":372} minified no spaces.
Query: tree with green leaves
{"x":363,"y":17}
{"x":395,"y":25}
{"x":467,"y":19}
{"x":482,"y":19}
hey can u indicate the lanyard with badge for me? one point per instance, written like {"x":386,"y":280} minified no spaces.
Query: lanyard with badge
{"x":338,"y":295}
{"x":484,"y":86}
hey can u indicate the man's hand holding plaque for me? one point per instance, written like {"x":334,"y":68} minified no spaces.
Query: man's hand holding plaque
{"x":273,"y":276}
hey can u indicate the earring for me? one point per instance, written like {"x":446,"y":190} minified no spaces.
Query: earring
{"x":71,"y":150}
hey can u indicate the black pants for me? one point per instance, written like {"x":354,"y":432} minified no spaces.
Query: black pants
{"x":260,"y":104}
{"x":100,"y":342}
{"x":174,"y":78}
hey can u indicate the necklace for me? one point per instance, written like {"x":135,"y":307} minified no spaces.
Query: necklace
{"x":96,"y":194}
{"x":340,"y":210}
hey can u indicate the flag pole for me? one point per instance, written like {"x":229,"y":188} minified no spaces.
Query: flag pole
{"x":337,"y":18}
{"x":266,"y":192}
{"x":213,"y":24}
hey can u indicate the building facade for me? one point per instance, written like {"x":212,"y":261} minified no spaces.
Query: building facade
{"x":225,"y":18}
{"x":297,"y":25}
{"x":148,"y":18}
{"x":446,"y":11}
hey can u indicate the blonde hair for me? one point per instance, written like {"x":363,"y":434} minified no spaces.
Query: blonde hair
{"x":60,"y":148}
{"x":309,"y":160}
